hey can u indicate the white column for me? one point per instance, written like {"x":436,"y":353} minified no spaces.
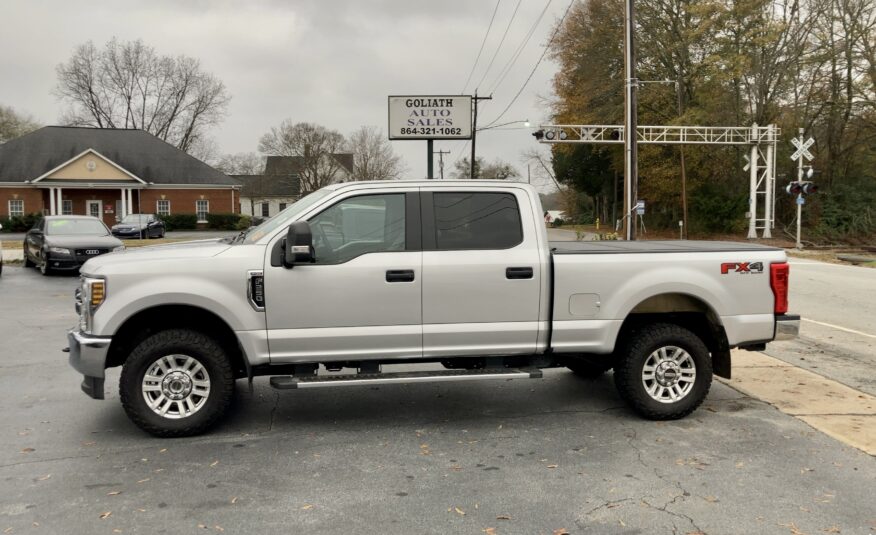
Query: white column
{"x":123,"y":211}
{"x":752,"y":190}
{"x":52,"y":201}
{"x":131,"y":201}
{"x":59,"y":204}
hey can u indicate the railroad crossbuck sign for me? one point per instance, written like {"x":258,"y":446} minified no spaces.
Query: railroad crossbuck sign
{"x":802,"y":148}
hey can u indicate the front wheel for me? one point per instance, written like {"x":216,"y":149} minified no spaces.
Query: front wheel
{"x":664,"y":371}
{"x":176,"y":383}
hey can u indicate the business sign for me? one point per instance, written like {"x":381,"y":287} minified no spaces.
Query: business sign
{"x":430,"y":117}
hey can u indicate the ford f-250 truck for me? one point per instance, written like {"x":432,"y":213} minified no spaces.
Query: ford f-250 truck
{"x":364,"y":276}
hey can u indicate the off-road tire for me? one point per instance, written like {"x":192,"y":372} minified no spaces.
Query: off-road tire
{"x":590,"y":368}
{"x":639,"y":344}
{"x":185,"y":342}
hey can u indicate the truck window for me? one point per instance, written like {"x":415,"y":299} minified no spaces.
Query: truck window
{"x":476,"y":221}
{"x":359,"y":225}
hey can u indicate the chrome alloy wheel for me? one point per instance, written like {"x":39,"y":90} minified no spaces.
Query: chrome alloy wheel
{"x":669,"y":374}
{"x":176,"y":386}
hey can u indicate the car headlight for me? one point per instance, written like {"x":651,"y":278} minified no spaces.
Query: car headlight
{"x":88,"y":299}
{"x":59,"y":250}
{"x":119,"y":248}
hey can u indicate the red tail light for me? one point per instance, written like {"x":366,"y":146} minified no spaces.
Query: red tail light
{"x":779,"y":283}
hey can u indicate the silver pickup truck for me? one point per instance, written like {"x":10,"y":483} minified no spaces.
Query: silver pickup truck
{"x":358,"y":277}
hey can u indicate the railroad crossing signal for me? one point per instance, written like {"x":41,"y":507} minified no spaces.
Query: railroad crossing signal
{"x":802,"y":148}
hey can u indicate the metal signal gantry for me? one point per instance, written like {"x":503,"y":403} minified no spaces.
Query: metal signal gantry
{"x":761,"y":159}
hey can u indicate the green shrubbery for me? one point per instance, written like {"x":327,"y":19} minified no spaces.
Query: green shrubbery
{"x":243,"y":223}
{"x":179,"y":221}
{"x":223,"y":221}
{"x":19,"y":223}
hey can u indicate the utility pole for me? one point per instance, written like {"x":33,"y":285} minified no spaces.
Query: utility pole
{"x":474,"y":129}
{"x":430,"y":163}
{"x":441,"y":154}
{"x":631,"y":179}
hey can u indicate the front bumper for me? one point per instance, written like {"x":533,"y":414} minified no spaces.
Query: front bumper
{"x":88,"y":357}
{"x":787,"y":327}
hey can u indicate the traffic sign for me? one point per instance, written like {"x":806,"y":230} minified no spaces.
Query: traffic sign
{"x":802,"y":148}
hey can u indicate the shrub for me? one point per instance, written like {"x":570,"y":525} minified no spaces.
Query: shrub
{"x":243,"y":223}
{"x":179,"y":221}
{"x":20,"y":223}
{"x":558,"y":222}
{"x":222,"y":221}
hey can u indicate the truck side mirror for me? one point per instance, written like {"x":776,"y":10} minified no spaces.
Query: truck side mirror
{"x":299,"y":244}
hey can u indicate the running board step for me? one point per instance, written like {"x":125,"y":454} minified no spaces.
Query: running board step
{"x":324,"y":381}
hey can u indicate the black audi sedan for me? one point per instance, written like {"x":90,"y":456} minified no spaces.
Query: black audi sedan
{"x":65,"y":242}
{"x":139,"y":226}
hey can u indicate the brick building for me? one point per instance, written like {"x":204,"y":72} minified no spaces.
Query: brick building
{"x":108,"y":173}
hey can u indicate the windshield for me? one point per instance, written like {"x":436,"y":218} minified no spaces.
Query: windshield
{"x":75,"y":227}
{"x":136,"y":219}
{"x":286,"y":216}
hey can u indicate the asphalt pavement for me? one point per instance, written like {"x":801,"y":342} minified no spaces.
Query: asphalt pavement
{"x":525,"y":456}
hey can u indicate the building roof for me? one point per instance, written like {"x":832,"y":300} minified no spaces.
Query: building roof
{"x":137,"y":151}
{"x":268,"y":185}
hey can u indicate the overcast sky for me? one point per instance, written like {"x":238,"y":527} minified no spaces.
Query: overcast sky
{"x":332,"y":62}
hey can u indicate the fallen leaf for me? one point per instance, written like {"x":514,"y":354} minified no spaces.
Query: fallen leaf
{"x":114,"y":493}
{"x":202,"y":526}
{"x":552,"y":466}
{"x":36,"y":524}
{"x":105,"y":515}
{"x":117,"y":530}
{"x":142,"y":510}
{"x":45,"y":477}
{"x":89,"y":443}
{"x":144,"y":480}
{"x":234,"y":500}
{"x":214,"y":463}
{"x":218,"y":528}
{"x":711,"y":499}
{"x":162,"y":450}
{"x":740,"y":464}
{"x":489,"y":531}
{"x":27,"y":450}
{"x":503,"y":517}
{"x":7,"y":530}
{"x":561,"y":531}
{"x":307,"y":507}
{"x":459,"y":511}
{"x":832,"y":529}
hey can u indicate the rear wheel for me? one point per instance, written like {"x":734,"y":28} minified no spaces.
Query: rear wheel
{"x":664,"y":371}
{"x":176,"y":383}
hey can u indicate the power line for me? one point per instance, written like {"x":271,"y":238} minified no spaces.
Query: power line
{"x":528,"y":78}
{"x":467,"y":80}
{"x":513,"y":59}
{"x":498,"y":48}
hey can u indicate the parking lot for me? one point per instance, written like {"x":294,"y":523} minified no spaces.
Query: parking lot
{"x":526,"y":456}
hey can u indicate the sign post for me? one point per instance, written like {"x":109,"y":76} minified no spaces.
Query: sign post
{"x":801,"y":153}
{"x":430,"y":117}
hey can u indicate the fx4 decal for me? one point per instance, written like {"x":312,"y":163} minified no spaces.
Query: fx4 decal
{"x":741,"y":267}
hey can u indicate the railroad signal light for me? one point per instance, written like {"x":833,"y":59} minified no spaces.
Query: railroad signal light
{"x":538,"y":134}
{"x":794,"y":188}
{"x":809,"y":188}
{"x":550,"y":134}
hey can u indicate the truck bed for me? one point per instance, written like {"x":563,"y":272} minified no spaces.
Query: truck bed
{"x":669,"y":246}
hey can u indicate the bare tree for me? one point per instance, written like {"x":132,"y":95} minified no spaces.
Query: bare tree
{"x":14,"y":124}
{"x":373,"y":157}
{"x":314,"y":144}
{"x":497,"y":170}
{"x":128,"y":85}
{"x":242,"y":163}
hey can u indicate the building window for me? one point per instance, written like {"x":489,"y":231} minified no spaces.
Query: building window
{"x":163,"y":207}
{"x":202,"y":208}
{"x":282,"y":206}
{"x":266,"y":209}
{"x":16,"y":207}
{"x":67,"y":207}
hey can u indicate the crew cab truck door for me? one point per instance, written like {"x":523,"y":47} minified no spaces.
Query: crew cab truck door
{"x":482,"y":272}
{"x":361,"y":299}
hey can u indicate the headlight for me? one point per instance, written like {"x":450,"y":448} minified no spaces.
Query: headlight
{"x":59,"y":250}
{"x":119,"y":248}
{"x":93,"y":294}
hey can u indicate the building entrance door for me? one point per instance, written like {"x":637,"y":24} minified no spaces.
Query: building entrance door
{"x":92,"y":208}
